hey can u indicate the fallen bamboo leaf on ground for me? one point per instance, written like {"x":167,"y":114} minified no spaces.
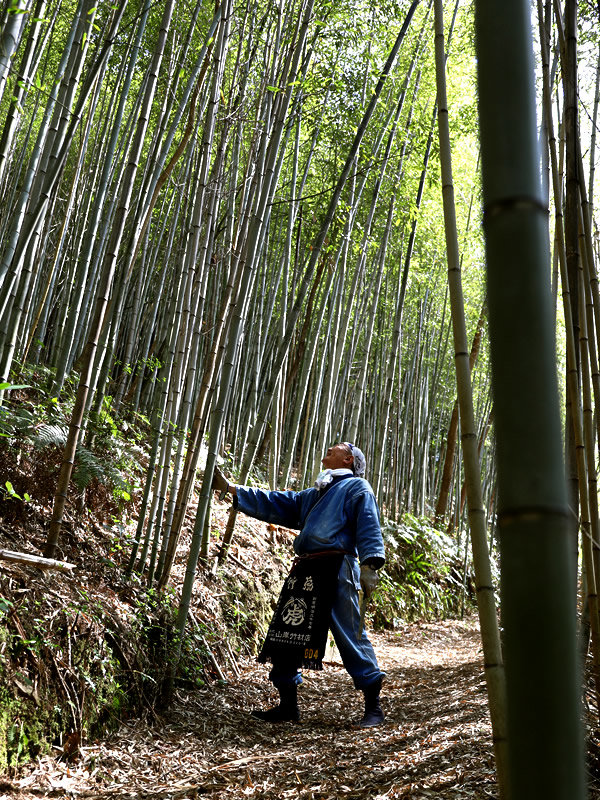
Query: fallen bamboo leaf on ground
{"x":436,"y":741}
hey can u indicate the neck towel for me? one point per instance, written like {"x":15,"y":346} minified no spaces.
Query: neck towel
{"x":325,"y":477}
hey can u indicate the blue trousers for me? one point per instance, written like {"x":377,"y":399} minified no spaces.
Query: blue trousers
{"x":358,"y":656}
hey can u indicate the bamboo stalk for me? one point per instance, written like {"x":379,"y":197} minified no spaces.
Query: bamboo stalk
{"x":486,"y":604}
{"x":36,"y":561}
{"x":534,"y":518}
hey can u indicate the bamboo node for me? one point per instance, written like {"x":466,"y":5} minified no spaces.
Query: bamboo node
{"x":509,"y":517}
{"x":518,"y":203}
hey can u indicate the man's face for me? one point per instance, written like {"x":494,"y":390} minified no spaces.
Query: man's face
{"x":338,"y":456}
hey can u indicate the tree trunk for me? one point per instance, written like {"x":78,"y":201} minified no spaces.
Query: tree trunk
{"x":534,"y":518}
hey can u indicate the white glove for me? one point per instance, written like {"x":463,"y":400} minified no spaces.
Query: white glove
{"x":368,"y":579}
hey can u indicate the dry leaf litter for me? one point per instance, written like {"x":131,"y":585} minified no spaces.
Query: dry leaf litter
{"x":436,"y":741}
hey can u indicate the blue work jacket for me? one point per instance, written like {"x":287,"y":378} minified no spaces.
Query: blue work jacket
{"x":343,"y":516}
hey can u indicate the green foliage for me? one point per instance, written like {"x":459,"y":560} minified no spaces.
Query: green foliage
{"x":92,"y":467}
{"x":422,"y":576}
{"x":33,"y":432}
{"x":10,"y":494}
{"x":5,"y":606}
{"x":14,"y":7}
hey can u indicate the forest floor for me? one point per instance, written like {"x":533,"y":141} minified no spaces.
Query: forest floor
{"x":436,"y":741}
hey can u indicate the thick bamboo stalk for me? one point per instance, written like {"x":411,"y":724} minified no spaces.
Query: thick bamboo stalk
{"x":534,"y":518}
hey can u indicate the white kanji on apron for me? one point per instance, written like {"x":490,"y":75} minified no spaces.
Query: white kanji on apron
{"x":294,"y":611}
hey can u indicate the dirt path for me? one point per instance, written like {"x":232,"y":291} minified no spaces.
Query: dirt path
{"x":436,"y":741}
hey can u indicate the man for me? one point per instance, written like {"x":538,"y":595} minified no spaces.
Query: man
{"x":338,"y":521}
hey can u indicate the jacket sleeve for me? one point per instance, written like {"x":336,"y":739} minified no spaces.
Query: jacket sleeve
{"x":279,"y":508}
{"x":369,"y":540}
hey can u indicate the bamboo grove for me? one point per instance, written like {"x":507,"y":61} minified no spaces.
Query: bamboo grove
{"x":211,"y":212}
{"x":229,"y":219}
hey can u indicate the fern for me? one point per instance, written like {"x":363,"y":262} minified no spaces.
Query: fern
{"x":43,"y":436}
{"x":90,"y":467}
{"x":15,"y":421}
{"x":33,"y":423}
{"x":87,"y":468}
{"x":423,"y":573}
{"x":12,"y":737}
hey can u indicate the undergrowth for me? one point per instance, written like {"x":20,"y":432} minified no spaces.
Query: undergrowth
{"x":76,"y":661}
{"x":424,"y":575}
{"x":79,"y":652}
{"x":109,"y":460}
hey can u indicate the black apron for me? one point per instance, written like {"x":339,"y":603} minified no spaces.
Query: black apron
{"x":297,"y":634}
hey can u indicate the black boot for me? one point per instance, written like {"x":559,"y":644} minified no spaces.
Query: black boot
{"x":286,"y":711}
{"x":373,"y":712}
